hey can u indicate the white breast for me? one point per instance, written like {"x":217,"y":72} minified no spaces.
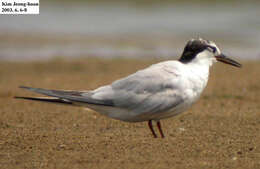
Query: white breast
{"x":194,"y":79}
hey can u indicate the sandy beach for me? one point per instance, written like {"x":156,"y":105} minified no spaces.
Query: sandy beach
{"x":220,"y":131}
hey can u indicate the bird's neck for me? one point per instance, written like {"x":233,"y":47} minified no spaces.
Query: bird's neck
{"x":197,"y":75}
{"x":198,"y":70}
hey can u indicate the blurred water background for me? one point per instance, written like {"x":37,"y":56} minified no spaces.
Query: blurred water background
{"x":133,"y":29}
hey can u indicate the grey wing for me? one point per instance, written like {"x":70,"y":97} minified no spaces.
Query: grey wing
{"x":151,"y":90}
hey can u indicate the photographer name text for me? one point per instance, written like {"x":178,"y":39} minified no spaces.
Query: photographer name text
{"x":19,"y":7}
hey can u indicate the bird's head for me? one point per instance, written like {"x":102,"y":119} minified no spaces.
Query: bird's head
{"x":205,"y":52}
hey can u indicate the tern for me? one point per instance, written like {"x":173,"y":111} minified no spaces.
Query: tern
{"x":160,"y":91}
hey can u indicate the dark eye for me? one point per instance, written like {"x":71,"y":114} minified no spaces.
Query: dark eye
{"x":213,"y":48}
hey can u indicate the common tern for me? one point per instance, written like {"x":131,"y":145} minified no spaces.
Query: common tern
{"x":160,"y":91}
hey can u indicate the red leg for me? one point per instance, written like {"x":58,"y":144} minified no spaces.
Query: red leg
{"x":160,"y":129}
{"x":151,"y":128}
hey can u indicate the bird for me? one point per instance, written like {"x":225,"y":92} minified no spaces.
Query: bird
{"x":160,"y":91}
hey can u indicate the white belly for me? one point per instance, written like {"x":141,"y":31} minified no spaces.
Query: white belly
{"x":129,"y":116}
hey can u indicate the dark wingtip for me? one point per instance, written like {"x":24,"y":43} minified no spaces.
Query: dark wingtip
{"x":49,"y":100}
{"x":19,"y":97}
{"x":240,"y":65}
{"x":24,"y":87}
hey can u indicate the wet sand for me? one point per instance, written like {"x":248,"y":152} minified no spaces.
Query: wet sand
{"x":220,"y":131}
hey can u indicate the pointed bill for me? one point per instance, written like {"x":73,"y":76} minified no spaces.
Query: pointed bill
{"x":225,"y":59}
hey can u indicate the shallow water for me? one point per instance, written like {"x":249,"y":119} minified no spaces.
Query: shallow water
{"x":121,"y":31}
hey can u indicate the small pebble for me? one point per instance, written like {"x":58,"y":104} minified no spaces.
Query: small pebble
{"x":62,"y":145}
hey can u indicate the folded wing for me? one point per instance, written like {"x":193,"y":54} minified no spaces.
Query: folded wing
{"x":152,"y":90}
